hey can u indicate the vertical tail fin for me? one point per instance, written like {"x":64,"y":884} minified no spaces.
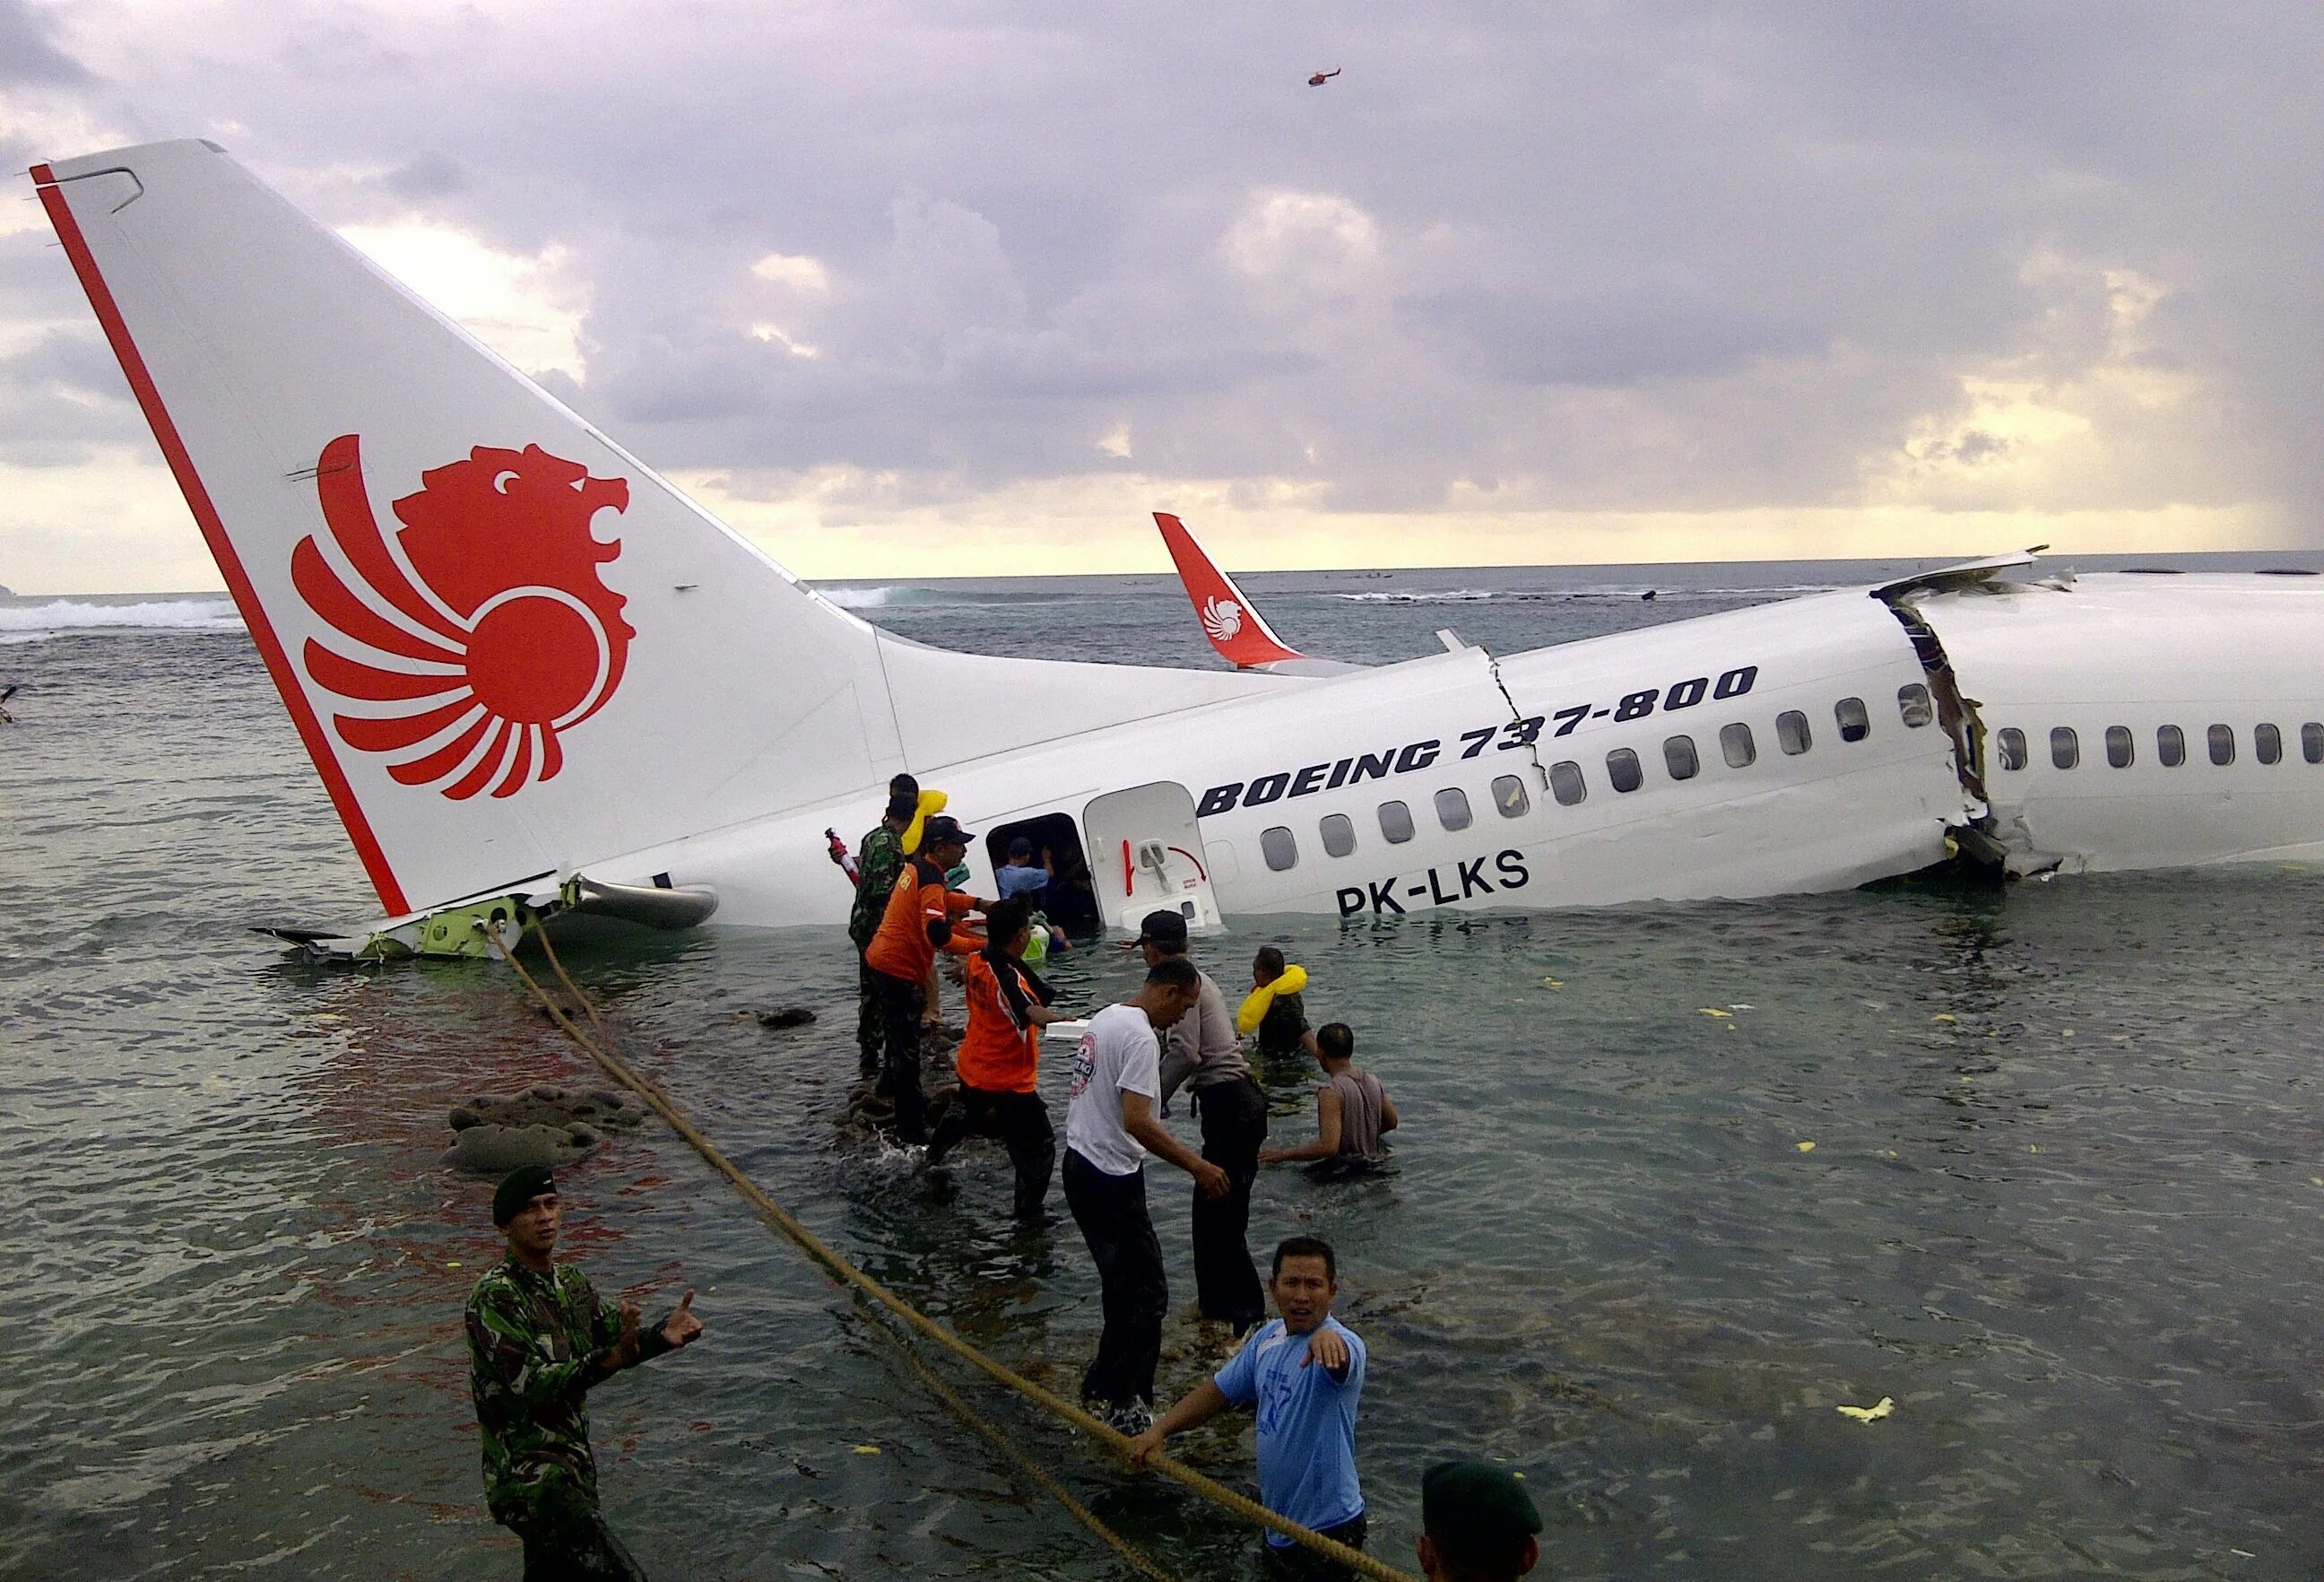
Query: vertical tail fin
{"x":1232,"y":624}
{"x":507,"y":645}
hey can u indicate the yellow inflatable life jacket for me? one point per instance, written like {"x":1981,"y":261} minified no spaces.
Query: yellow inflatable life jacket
{"x":1260,"y":1000}
{"x":932,"y":802}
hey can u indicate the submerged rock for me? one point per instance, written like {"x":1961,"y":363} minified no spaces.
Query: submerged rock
{"x":545,"y":1124}
{"x":785,"y":1017}
{"x":495,"y":1149}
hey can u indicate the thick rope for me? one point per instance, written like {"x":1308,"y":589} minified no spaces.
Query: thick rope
{"x":999,"y":1442}
{"x":807,"y":1241}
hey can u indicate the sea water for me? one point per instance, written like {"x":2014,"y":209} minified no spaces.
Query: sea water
{"x":2041,"y":1166}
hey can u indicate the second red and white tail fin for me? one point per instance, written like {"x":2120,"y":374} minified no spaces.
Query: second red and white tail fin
{"x":1235,"y":628}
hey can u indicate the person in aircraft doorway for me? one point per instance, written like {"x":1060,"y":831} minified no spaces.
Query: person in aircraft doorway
{"x":917,"y":924}
{"x":1201,"y":1053}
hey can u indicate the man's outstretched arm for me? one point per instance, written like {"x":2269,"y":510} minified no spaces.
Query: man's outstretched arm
{"x":1197,"y":1407}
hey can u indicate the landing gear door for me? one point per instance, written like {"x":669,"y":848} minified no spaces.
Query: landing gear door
{"x":1144,"y":856}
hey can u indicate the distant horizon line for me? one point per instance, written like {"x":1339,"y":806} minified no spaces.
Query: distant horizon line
{"x":1165,"y":571}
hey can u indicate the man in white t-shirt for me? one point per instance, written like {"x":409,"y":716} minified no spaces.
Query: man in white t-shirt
{"x":1109,"y":1128}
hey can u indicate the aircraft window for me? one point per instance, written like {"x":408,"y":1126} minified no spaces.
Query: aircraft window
{"x":1791,"y":732}
{"x":1622,"y":769}
{"x":1509,"y":796}
{"x":2311,"y":742}
{"x":2221,"y":739}
{"x":1912,"y":703}
{"x":1855,"y":725}
{"x":1339,"y":835}
{"x":1566,"y":784}
{"x":1279,"y":847}
{"x":2267,"y":744}
{"x":1735,"y":742}
{"x":2170,"y":745}
{"x":2119,"y":751}
{"x":2012,"y":743}
{"x":2065,"y":746}
{"x":1452,"y":808}
{"x":1678,"y":757}
{"x":1396,"y":822}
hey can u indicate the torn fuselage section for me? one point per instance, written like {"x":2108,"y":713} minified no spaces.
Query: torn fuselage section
{"x":1988,"y":842}
{"x":480,"y":928}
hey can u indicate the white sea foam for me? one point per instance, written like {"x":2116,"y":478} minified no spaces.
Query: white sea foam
{"x":858,"y":598}
{"x":25,"y":621}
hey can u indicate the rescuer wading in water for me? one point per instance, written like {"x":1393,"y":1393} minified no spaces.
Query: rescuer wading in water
{"x":539,"y":1340}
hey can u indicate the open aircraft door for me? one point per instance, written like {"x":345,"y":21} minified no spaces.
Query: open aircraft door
{"x":1146,"y":854}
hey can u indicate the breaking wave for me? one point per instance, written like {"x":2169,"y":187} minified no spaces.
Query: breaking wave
{"x":27,"y":621}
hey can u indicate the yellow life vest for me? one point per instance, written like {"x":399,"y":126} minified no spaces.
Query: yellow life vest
{"x":1260,"y":1000}
{"x":931,"y":802}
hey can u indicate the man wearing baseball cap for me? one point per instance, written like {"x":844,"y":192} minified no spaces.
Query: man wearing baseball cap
{"x":539,"y":1340}
{"x":917,"y":924}
{"x":1200,"y":1052}
{"x":1477,"y":1524}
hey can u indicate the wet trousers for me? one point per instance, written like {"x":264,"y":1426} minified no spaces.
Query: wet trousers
{"x":900,"y":1000}
{"x":566,"y":1543}
{"x":1304,"y":1565}
{"x":1023,"y":1121}
{"x":1111,"y":1213}
{"x":1234,"y":1125}
{"x":870,"y":1022}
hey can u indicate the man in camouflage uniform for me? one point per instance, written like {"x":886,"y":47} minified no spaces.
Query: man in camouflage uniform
{"x":878,"y":861}
{"x":537,"y":1339}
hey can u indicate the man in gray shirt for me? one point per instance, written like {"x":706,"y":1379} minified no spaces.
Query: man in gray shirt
{"x":1200,"y":1052}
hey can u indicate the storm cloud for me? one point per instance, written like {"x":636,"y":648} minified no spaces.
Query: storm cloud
{"x":1668,"y":258}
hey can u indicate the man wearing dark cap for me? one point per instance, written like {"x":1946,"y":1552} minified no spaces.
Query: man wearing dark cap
{"x":1201,"y":1053}
{"x":916,"y":925}
{"x":539,"y":1339}
{"x":1478,"y":1525}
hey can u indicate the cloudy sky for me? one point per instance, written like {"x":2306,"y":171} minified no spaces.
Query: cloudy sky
{"x":972,"y":288}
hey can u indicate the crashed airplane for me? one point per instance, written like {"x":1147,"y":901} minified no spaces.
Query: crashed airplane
{"x":535,"y":678}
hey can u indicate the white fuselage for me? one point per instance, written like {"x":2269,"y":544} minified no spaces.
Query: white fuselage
{"x":1791,"y":747}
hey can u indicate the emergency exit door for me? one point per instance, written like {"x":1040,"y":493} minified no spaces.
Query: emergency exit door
{"x":1144,"y":854}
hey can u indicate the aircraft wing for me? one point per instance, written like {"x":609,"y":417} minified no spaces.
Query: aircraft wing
{"x":1234,"y":627}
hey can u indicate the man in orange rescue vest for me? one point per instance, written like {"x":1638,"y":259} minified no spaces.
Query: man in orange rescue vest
{"x":1007,"y":1006}
{"x":902,"y":955}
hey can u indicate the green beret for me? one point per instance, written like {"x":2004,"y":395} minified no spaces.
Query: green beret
{"x":1475,"y":1512}
{"x":520,"y":1187}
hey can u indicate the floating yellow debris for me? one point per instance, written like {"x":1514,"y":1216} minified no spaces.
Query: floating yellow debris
{"x":1942,"y":1016}
{"x":867,"y":1450}
{"x":455,"y":1263}
{"x":1551,"y":982}
{"x":1868,"y":1413}
{"x":1715,"y":1010}
{"x":1805,"y":1147}
{"x":2032,"y":1148}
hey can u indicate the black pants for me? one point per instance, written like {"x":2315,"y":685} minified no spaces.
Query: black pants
{"x":1023,"y":1122}
{"x":871,"y":1030}
{"x":566,"y":1541}
{"x":1112,"y":1212}
{"x":1234,"y":1125}
{"x":1305,"y":1565}
{"x":900,"y":1002}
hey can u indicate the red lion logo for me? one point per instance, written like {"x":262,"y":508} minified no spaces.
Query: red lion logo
{"x":482,"y":628}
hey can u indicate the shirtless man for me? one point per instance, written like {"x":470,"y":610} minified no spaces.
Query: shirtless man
{"x":1351,"y":1111}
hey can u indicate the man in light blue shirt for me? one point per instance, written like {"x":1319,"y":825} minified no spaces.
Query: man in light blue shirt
{"x":1305,"y":1373}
